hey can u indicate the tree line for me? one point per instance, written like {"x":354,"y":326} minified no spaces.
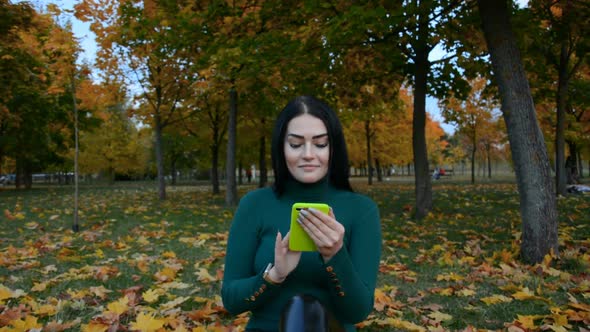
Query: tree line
{"x":178,"y":81}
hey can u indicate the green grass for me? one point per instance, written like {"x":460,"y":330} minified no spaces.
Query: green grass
{"x":434,"y":273}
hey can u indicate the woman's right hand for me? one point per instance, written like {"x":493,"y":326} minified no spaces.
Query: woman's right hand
{"x":286,"y":260}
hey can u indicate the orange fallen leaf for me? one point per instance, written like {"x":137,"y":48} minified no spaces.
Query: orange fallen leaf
{"x":9,"y":215}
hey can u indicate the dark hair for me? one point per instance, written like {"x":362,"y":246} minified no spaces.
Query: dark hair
{"x":338,"y":171}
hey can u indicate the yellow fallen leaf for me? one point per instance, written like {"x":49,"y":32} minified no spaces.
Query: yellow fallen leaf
{"x":555,"y":328}
{"x":94,"y":327}
{"x":32,"y":225}
{"x":449,"y":277}
{"x":465,"y":292}
{"x":381,"y":300}
{"x":77,"y":295}
{"x":151,"y":295}
{"x":527,"y":294}
{"x":28,"y":323}
{"x":204,"y":276}
{"x":143,"y":241}
{"x":528,"y":321}
{"x":147,"y":323}
{"x":165,"y":275}
{"x":400,"y":324}
{"x":169,"y":254}
{"x":5,"y":292}
{"x":174,"y":303}
{"x":560,"y":320}
{"x":39,"y":286}
{"x":100,"y":291}
{"x":440,"y":316}
{"x":46,"y":310}
{"x":489,"y":300}
{"x":119,"y":307}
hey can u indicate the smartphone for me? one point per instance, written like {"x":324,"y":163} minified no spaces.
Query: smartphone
{"x":298,"y":238}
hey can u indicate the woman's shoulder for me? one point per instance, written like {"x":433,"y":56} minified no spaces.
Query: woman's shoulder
{"x":357,"y":199}
{"x":258,"y":196}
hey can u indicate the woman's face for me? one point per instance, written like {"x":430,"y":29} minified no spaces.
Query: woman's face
{"x":307,"y":148}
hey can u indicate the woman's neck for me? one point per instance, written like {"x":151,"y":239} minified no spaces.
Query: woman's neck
{"x":307,"y":192}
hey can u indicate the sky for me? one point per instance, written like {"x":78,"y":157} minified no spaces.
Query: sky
{"x":87,"y":41}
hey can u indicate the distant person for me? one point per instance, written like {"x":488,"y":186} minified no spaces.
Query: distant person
{"x":249,"y":175}
{"x":334,"y":285}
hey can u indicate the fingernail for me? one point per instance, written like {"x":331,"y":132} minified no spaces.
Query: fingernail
{"x":304,"y":212}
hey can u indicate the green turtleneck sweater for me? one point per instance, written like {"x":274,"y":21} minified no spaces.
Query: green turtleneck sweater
{"x":345,"y":284}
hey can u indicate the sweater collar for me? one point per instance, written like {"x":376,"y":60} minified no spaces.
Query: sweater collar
{"x":307,"y":192}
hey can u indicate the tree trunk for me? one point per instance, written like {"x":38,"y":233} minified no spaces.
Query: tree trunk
{"x":378,"y":168}
{"x":538,"y":206}
{"x":173,"y":171}
{"x":231,"y":190}
{"x":368,"y":141}
{"x":489,"y":153}
{"x":263,"y":179}
{"x":473,"y":151}
{"x":580,"y":165}
{"x":571,"y":164}
{"x":215,"y":168}
{"x":76,"y":221}
{"x":215,"y":146}
{"x":562,"y":86}
{"x":28,"y":176}
{"x":240,"y":171}
{"x":421,"y":170}
{"x":159,"y":157}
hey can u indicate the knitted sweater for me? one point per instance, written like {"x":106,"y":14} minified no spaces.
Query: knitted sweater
{"x":345,"y":284}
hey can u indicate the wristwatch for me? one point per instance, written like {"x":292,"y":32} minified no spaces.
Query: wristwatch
{"x":266,"y":277}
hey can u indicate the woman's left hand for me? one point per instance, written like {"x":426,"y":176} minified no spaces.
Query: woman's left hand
{"x":325,"y":231}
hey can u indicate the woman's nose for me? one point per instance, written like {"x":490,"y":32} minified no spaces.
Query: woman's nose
{"x":307,"y":151}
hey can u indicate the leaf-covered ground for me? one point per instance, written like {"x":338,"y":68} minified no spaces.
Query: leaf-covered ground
{"x":138,"y":264}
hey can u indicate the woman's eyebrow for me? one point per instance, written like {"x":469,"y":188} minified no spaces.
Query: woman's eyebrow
{"x":313,"y":137}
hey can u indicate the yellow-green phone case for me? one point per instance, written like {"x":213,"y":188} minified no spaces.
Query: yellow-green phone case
{"x":298,"y":238}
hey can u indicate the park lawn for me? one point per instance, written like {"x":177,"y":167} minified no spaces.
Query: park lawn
{"x":141,"y":264}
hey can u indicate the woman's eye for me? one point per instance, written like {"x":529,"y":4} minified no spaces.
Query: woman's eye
{"x":295,"y":146}
{"x":321,"y":146}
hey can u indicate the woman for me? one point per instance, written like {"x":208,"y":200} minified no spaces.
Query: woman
{"x":310,"y":164}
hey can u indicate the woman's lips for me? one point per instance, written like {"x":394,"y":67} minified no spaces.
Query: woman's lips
{"x":308,"y":167}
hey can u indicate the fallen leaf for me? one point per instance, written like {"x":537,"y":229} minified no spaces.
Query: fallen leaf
{"x":489,"y":300}
{"x":147,"y":323}
{"x":120,"y":306}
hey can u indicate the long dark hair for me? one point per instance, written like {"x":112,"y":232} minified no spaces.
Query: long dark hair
{"x":338,"y":171}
